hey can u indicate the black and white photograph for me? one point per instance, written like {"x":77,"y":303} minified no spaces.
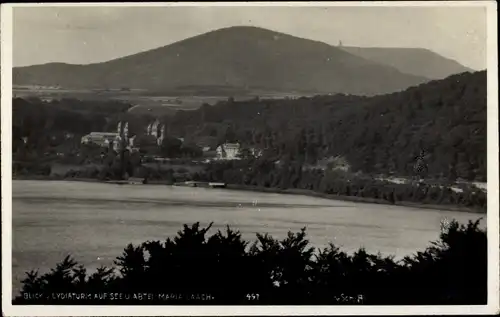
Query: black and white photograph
{"x":236,"y":156}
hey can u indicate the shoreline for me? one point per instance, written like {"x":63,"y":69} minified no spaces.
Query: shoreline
{"x":355,"y":199}
{"x":293,"y":191}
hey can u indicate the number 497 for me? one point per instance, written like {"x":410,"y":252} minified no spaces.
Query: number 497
{"x":253,"y":296}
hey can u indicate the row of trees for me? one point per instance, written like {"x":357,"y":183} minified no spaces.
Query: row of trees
{"x":230,"y":270}
{"x":261,"y":173}
{"x":292,"y":175}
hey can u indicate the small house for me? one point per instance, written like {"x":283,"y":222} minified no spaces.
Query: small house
{"x":228,"y":151}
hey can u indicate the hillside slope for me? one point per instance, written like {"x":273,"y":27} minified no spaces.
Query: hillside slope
{"x":248,"y":57}
{"x":382,"y":134}
{"x":415,"y":61}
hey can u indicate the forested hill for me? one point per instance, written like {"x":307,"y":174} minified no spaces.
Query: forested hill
{"x":381,"y":134}
{"x":242,"y":57}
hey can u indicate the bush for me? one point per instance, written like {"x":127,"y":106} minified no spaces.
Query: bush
{"x":229,"y":270}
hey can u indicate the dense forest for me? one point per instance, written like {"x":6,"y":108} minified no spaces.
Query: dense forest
{"x":48,"y":124}
{"x":445,"y":120}
{"x":441,"y":123}
{"x":193,"y":268}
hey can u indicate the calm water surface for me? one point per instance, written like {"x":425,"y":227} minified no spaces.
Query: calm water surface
{"x":94,"y":221}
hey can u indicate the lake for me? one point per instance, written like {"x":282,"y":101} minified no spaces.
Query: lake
{"x":94,"y":221}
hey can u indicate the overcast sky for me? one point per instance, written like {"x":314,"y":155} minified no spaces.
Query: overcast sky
{"x":95,"y":34}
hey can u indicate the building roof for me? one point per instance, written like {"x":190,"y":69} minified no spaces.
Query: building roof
{"x":231,"y":146}
{"x":102,"y":134}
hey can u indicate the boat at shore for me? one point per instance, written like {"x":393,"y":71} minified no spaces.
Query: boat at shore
{"x":201,"y":184}
{"x":217,"y":185}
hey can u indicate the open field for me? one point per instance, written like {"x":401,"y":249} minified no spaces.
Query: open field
{"x":145,"y":102}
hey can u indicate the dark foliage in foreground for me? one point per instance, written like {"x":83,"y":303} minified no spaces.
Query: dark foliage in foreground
{"x":227,"y":270}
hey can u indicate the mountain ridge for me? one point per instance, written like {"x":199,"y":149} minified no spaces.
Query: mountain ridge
{"x":417,"y":61}
{"x":235,"y":56}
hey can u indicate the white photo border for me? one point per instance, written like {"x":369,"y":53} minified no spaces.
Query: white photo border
{"x":492,"y":187}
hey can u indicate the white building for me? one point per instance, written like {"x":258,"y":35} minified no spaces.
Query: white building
{"x":102,"y":139}
{"x":157,"y":130}
{"x":105,"y":139}
{"x":122,"y":129}
{"x":153,"y":128}
{"x":228,"y":151}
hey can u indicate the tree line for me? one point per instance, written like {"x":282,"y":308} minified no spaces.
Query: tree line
{"x":291,"y":175}
{"x":445,"y":119}
{"x":269,"y":271}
